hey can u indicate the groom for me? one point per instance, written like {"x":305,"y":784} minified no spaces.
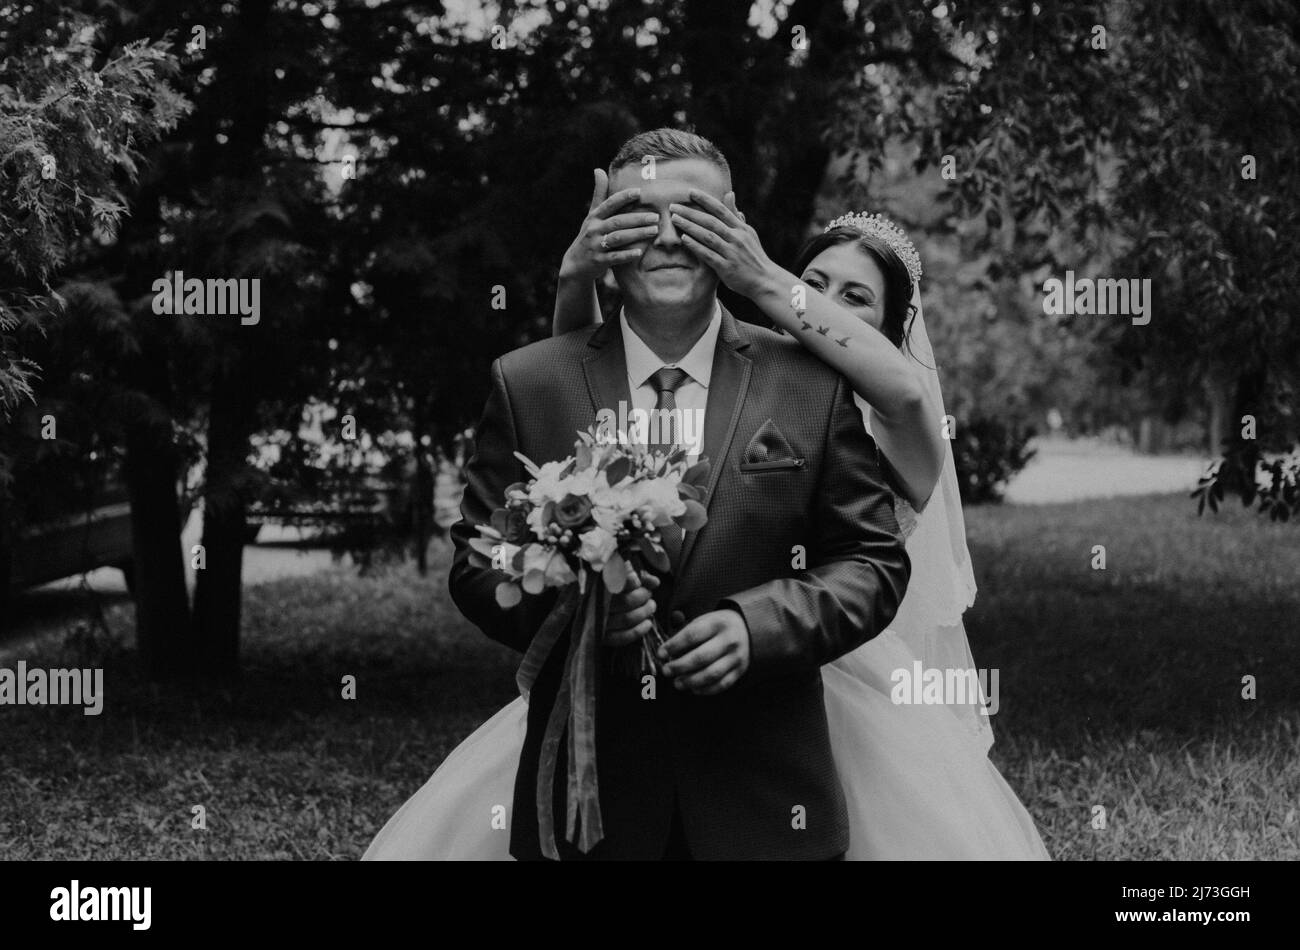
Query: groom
{"x":728,"y":756}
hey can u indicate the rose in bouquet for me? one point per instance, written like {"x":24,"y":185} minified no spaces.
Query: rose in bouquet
{"x":585,"y":525}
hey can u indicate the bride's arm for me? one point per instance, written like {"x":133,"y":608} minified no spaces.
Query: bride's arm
{"x":605,"y":239}
{"x":576,"y":305}
{"x":906,"y":422}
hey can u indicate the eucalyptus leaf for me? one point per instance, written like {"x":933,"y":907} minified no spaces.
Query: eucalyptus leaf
{"x":697,"y":474}
{"x":508,"y":595}
{"x":615,"y":574}
{"x":654,"y":555}
{"x":618,"y":470}
{"x":694,"y":518}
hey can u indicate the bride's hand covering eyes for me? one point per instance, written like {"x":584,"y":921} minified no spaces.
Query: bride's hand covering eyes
{"x":606,"y":237}
{"x":717,"y":234}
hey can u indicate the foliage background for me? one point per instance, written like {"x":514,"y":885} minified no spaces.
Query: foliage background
{"x":385,"y":167}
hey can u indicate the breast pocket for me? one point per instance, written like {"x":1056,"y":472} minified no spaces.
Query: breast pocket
{"x":774,"y":465}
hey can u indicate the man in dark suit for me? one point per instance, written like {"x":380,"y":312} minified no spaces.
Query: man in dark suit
{"x":799,"y":563}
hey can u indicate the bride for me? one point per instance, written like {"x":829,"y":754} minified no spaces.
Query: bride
{"x":916,"y":776}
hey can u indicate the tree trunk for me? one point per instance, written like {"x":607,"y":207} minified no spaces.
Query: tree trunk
{"x":799,"y":159}
{"x":422,"y":506}
{"x":217,"y":596}
{"x":1146,"y":435}
{"x":162,"y":608}
{"x":1220,"y":405}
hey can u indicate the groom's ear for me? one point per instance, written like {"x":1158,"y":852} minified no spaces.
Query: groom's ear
{"x":600,"y":190}
{"x":730,"y":199}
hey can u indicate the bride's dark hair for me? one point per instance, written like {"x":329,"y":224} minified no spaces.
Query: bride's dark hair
{"x":898,"y":283}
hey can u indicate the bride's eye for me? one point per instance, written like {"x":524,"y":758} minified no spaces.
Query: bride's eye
{"x":815,"y":284}
{"x":856,"y":300}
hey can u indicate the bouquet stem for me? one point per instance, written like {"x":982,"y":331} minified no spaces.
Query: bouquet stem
{"x":650,"y":644}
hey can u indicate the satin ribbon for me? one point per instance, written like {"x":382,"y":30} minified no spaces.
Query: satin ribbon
{"x":581,"y":612}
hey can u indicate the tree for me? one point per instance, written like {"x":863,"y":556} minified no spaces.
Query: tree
{"x":472,"y":133}
{"x":72,"y":126}
{"x":67,"y":129}
{"x":1152,"y":138}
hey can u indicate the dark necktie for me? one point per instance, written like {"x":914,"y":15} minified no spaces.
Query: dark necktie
{"x":664,"y":436}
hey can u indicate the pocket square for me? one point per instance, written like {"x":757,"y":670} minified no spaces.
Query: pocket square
{"x":769,"y":450}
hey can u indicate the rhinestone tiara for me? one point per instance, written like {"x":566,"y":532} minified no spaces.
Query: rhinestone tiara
{"x":877,"y":225}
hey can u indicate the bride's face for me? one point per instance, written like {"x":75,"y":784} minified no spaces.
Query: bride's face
{"x":851,"y":278}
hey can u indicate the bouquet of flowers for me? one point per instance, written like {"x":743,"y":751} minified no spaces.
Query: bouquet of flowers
{"x":583,"y":525}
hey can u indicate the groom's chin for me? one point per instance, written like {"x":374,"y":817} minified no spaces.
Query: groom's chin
{"x":684,"y":294}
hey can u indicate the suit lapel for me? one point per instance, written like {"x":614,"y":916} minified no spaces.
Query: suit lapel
{"x":727,"y":390}
{"x":605,"y":366}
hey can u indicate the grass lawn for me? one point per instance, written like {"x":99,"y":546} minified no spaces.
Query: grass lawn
{"x":1119,"y":688}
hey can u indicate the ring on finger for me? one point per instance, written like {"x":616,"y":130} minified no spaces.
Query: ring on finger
{"x":604,"y":243}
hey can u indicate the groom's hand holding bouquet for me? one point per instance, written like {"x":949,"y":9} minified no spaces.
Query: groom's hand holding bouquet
{"x":705,"y":657}
{"x":591,"y":525}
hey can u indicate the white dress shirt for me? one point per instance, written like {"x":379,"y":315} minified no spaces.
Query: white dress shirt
{"x":693,"y":394}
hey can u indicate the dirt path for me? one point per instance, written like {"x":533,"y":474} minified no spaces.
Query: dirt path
{"x":1069,"y":471}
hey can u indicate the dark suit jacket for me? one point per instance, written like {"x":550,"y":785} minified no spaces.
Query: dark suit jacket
{"x":743,"y":766}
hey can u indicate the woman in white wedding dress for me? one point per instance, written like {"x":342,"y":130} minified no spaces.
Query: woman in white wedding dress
{"x":916,"y":776}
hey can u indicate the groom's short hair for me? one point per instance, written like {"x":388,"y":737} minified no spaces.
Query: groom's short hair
{"x":666,"y":145}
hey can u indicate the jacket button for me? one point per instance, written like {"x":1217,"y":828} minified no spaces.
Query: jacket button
{"x":677,"y":619}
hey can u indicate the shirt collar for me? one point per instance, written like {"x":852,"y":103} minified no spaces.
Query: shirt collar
{"x":642,"y":363}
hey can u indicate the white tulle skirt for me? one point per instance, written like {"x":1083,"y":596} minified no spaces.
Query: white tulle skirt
{"x":918,"y":782}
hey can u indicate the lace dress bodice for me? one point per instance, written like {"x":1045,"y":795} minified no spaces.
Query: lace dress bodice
{"x":904,"y":513}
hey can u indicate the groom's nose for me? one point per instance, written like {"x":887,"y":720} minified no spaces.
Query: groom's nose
{"x":667,"y":237}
